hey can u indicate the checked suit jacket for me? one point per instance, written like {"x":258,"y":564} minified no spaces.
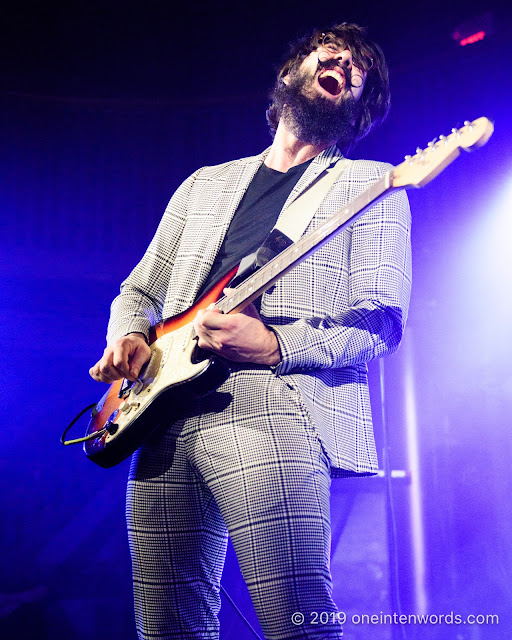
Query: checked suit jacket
{"x":342,"y":307}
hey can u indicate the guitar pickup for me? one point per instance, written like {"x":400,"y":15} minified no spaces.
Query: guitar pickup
{"x":125,"y":389}
{"x":136,"y":386}
{"x":128,"y":387}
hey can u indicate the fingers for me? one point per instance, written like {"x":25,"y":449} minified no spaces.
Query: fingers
{"x":209,"y":325}
{"x":250,"y":310}
{"x":138,"y":359}
{"x":104,"y":370}
{"x":123,"y":359}
{"x":213,"y":319}
{"x":210,"y":319}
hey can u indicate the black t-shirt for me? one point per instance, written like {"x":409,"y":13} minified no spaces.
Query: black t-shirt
{"x":255,"y":217}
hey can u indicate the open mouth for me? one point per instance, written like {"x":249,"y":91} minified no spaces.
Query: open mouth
{"x":331,"y":82}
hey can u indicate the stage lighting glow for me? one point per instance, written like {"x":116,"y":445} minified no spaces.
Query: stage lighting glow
{"x":474,"y":30}
{"x":475,"y":37}
{"x":483,"y":275}
{"x":489,"y":256}
{"x":496,"y":231}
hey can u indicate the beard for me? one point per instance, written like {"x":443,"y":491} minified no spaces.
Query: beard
{"x":313,"y":118}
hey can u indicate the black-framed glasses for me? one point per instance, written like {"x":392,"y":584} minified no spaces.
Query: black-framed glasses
{"x":328,"y":42}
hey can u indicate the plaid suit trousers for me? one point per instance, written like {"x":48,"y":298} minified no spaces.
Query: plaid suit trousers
{"x":245,"y":460}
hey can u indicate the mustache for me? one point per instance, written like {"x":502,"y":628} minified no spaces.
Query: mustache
{"x":332,"y":63}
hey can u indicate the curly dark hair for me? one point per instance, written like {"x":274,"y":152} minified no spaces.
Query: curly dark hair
{"x":367,"y":55}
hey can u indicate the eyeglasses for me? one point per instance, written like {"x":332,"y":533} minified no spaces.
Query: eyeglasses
{"x":328,"y":42}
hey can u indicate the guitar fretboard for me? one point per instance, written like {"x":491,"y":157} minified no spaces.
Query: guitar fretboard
{"x":255,"y":285}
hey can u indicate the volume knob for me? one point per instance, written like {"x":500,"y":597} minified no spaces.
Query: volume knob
{"x":125,"y":407}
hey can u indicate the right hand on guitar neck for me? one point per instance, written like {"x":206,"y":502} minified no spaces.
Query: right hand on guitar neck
{"x":122,"y":359}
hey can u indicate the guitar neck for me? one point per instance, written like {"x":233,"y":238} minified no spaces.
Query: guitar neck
{"x":261,"y":280}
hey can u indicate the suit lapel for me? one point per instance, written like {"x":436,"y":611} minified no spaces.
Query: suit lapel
{"x":236,"y":184}
{"x":190,"y":269}
{"x":315,"y":170}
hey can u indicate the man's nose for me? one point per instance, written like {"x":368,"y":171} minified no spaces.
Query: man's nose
{"x":344,"y":58}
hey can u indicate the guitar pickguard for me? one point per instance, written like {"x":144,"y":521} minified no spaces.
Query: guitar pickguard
{"x":165,"y":383}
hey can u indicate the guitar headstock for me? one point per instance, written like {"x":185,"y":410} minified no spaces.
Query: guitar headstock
{"x":426,"y":164}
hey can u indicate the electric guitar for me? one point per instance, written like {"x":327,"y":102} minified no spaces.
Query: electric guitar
{"x":177,"y":369}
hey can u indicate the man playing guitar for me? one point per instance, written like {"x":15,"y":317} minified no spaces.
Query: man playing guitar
{"x":254,"y":458}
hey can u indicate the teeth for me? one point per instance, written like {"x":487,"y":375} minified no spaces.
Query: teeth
{"x":332,"y":74}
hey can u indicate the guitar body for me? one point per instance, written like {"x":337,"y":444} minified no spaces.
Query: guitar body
{"x":176,"y":372}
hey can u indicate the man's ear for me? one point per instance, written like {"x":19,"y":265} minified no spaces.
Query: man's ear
{"x":286,"y":79}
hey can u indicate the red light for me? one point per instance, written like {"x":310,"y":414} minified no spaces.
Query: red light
{"x":475,"y":37}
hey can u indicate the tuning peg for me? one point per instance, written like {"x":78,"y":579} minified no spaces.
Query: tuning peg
{"x":421,"y":154}
{"x":408,"y":159}
{"x":443,"y":139}
{"x":468,"y":124}
{"x":432,"y":144}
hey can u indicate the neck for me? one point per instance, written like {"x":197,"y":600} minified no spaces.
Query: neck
{"x":288,"y":151}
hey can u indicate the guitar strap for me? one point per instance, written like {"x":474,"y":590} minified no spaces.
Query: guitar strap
{"x":292,"y":222}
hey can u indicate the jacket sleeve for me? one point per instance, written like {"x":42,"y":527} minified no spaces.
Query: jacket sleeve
{"x":379,"y":284}
{"x":140,"y":302}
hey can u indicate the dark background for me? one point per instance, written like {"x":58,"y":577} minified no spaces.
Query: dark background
{"x":105,"y":109}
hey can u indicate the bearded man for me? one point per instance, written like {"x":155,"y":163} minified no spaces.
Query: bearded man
{"x":254,"y":458}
